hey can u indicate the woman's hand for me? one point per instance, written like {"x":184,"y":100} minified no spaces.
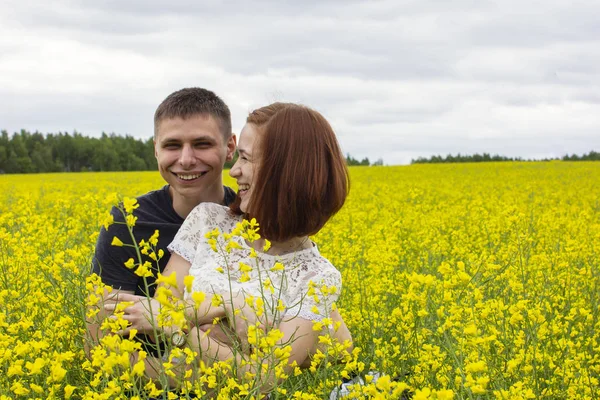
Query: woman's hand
{"x":240,"y":315}
{"x":141,"y":315}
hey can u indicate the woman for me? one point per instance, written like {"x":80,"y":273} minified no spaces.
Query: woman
{"x":292,"y":178}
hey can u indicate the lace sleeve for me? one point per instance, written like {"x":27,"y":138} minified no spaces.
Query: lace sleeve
{"x":315,"y":294}
{"x":190,"y":234}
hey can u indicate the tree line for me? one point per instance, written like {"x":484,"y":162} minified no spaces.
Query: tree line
{"x":25,"y":152}
{"x":485,"y":157}
{"x":351,"y":161}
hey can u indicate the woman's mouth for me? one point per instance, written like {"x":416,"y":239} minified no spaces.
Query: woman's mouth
{"x":243,"y":188}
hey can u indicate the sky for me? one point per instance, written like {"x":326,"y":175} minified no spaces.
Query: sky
{"x":397,"y":79}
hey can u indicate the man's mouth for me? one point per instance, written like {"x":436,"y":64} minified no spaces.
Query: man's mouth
{"x":189,"y":176}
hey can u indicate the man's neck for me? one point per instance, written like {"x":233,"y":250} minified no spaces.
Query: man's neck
{"x":184,"y":205}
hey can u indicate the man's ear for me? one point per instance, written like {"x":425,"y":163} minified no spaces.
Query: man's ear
{"x":231,"y":144}
{"x":155,"y":152}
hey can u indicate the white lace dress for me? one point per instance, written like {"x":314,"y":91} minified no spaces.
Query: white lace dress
{"x":221,"y":272}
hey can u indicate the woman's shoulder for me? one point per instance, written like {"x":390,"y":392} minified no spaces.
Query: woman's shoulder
{"x":327,"y":269}
{"x":315,"y":285}
{"x":312,"y":266}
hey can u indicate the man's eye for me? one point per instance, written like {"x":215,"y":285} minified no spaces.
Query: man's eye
{"x":202,"y":145}
{"x":171,"y":146}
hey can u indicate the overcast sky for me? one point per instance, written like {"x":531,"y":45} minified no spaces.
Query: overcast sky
{"x":396,"y":79}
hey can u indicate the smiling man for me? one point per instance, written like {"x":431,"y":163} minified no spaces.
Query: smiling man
{"x":192,"y":142}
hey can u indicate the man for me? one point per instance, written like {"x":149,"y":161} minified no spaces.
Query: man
{"x":192,"y":142}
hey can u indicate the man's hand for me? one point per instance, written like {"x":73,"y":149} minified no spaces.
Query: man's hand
{"x":142,"y":314}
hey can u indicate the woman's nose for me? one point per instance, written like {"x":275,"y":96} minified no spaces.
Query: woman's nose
{"x":234,"y":171}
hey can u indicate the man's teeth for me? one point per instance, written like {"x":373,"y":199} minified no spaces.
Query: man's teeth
{"x":244,"y":187}
{"x":188,"y":177}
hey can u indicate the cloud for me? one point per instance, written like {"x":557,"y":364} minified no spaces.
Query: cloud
{"x":397,"y":80}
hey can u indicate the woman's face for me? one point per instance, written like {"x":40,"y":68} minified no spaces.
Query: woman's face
{"x":245,"y":167}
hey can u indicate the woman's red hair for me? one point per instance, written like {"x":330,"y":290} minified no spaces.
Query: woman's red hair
{"x":302,"y":179}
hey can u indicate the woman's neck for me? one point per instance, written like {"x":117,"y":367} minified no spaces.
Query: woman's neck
{"x":280,"y":248}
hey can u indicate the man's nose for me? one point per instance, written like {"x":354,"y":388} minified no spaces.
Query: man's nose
{"x":187,"y":156}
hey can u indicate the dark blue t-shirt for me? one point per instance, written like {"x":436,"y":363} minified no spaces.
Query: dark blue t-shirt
{"x":155,"y":211}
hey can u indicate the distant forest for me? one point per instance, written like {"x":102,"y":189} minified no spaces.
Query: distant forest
{"x":485,"y":157}
{"x":27,"y":152}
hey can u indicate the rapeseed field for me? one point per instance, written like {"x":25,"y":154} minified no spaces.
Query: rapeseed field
{"x":465,"y":281}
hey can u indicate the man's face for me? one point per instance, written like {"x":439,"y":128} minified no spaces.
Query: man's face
{"x":190,"y":155}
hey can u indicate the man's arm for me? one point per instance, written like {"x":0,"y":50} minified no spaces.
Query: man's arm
{"x":109,"y":264}
{"x":93,"y":331}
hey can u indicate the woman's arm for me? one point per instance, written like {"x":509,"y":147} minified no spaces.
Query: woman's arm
{"x":143,"y":313}
{"x":297,"y":333}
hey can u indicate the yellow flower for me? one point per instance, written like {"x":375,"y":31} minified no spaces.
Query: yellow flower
{"x":116,"y":242}
{"x":187,"y":282}
{"x":69,"y":391}
{"x":198,"y":298}
{"x":144,"y":270}
{"x":245,"y":277}
{"x":57,"y":373}
{"x":19,"y":389}
{"x":130,"y":204}
{"x":168,"y":281}
{"x":245,"y":267}
{"x":139,"y":368}
{"x":267,"y":245}
{"x":213,"y":244}
{"x":280,"y":306}
{"x":470,"y":329}
{"x":16,"y":369}
{"x":154,"y":238}
{"x":130,"y":220}
{"x":216,"y":300}
{"x":268,"y":285}
{"x":35,"y":367}
{"x":108,"y":221}
{"x":277,"y":267}
{"x":232,"y":244}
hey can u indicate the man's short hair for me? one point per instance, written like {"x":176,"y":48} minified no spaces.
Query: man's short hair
{"x":189,"y":102}
{"x":302,"y":178}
